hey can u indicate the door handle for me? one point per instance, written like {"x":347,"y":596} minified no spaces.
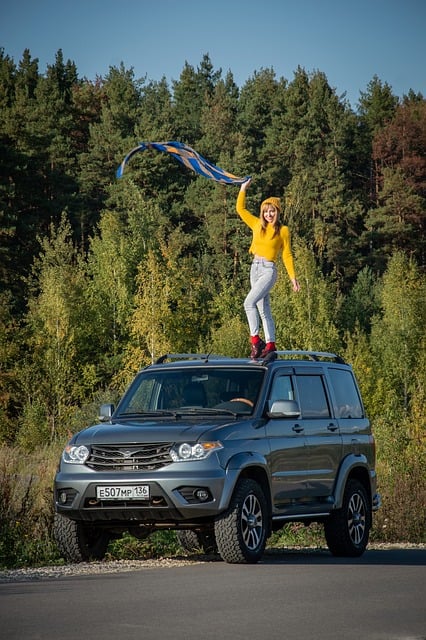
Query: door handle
{"x":297,"y":428}
{"x":332,"y":427}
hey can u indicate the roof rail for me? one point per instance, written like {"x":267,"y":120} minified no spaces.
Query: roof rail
{"x":188,"y":356}
{"x":313,"y":355}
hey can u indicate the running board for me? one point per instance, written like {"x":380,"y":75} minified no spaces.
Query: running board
{"x":304,"y":516}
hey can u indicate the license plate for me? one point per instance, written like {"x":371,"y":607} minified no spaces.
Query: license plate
{"x":118,"y":492}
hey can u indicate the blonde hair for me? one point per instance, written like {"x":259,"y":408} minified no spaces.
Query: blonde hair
{"x":270,"y":202}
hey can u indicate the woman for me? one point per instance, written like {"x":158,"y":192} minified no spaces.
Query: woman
{"x":269,"y":238}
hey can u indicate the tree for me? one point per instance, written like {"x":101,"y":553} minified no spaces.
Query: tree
{"x":110,"y":138}
{"x":316,"y":135}
{"x":397,"y":338}
{"x":11,"y":351}
{"x":154,"y":119}
{"x":256,"y":108}
{"x":361,"y":303}
{"x":376,"y":108}
{"x":148,"y":324}
{"x":218,"y":122}
{"x":308,"y":319}
{"x":190,"y":93}
{"x":108,"y":295}
{"x":52,"y":376}
{"x":7,"y":85}
{"x":399,"y":220}
{"x":377,"y":105}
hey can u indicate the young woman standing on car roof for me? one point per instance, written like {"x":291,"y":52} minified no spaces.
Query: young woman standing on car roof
{"x":269,"y":238}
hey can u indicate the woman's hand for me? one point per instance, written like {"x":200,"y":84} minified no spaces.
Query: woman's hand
{"x":296,"y":285}
{"x":245,"y":185}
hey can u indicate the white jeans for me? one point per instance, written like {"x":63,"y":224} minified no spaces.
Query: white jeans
{"x":263,"y":275}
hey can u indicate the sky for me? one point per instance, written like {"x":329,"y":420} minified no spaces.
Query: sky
{"x":350,"y":41}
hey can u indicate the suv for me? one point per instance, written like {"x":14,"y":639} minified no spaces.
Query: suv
{"x":224,"y":451}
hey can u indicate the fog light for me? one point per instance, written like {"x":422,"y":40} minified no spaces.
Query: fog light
{"x":202,"y":495}
{"x":63,"y":497}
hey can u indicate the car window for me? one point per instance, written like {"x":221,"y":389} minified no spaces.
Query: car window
{"x":346,"y":394}
{"x":166,"y":389}
{"x":312,"y":397}
{"x":282,"y":389}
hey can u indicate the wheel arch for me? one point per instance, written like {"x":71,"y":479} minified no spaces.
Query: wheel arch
{"x":356,"y":467}
{"x":246,"y":465}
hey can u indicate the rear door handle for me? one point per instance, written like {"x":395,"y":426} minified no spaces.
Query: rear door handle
{"x":297,"y":428}
{"x":332,"y":427}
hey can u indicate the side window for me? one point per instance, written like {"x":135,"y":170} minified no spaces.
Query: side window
{"x":282,"y":389}
{"x":312,"y":397}
{"x":346,"y":394}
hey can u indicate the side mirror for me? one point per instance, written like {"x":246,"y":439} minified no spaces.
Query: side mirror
{"x":105,"y":412}
{"x":284,"y":409}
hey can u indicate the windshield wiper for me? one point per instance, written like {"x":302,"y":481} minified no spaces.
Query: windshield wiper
{"x":150,"y":414}
{"x":206,"y":410}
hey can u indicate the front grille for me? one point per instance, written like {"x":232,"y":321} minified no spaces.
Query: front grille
{"x":139,"y":457}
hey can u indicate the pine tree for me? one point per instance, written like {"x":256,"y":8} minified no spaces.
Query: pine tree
{"x":398,"y":218}
{"x":111,"y":136}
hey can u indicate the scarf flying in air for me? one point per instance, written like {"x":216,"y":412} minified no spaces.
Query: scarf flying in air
{"x":188,"y":157}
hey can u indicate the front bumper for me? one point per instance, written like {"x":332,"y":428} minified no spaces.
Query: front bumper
{"x":173,"y":499}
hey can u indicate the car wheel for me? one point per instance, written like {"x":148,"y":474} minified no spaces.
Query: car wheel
{"x":197,"y":541}
{"x":241,"y":531}
{"x":79,"y":541}
{"x":347,"y":529}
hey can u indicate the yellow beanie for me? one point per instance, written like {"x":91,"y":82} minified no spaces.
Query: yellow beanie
{"x":272,"y":200}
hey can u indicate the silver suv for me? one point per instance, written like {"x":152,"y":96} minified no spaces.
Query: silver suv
{"x":224,"y":451}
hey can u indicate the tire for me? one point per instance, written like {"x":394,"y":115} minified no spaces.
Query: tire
{"x":347,"y":529}
{"x":197,"y":541}
{"x":241,"y":531}
{"x":79,"y":541}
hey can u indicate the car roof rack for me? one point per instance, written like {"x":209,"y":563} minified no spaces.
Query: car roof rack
{"x":188,"y":356}
{"x":313,"y":355}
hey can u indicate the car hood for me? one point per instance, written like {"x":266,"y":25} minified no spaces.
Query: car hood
{"x":127,"y":432}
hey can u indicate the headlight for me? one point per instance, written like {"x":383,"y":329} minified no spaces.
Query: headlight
{"x":74,"y":454}
{"x":199,"y":451}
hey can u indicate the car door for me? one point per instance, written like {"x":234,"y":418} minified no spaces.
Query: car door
{"x":353,"y":423}
{"x":288,"y":460}
{"x":321,"y":430}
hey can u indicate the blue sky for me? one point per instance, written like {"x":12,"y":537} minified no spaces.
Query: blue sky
{"x":349,"y":40}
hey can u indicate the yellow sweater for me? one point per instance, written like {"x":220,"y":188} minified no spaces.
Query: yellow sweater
{"x":265,"y":245}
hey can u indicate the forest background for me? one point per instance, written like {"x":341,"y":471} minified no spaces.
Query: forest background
{"x":100,"y":276}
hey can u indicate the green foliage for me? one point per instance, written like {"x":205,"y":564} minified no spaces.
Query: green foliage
{"x":398,"y":334}
{"x":298,"y":535}
{"x":157,"y":545}
{"x":362,"y":302}
{"x":307,"y":319}
{"x":99,"y":276}
{"x":10,"y":356}
{"x":229,"y":338}
{"x":26,"y":507}
{"x":50,"y":379}
{"x":377,"y":104}
{"x":402,"y":477}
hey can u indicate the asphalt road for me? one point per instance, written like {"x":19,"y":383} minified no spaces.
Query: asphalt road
{"x":287,"y":596}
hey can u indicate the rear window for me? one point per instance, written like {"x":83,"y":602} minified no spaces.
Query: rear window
{"x":346,"y":394}
{"x":312,"y":397}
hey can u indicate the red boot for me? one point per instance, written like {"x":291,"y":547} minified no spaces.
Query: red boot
{"x":269,"y":347}
{"x":257,"y":346}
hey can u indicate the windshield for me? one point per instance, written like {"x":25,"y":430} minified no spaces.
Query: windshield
{"x":218,"y":388}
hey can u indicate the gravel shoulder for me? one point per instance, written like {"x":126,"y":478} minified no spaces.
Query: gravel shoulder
{"x":121,"y":566}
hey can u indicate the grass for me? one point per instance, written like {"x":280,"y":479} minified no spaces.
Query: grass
{"x":26,"y":514}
